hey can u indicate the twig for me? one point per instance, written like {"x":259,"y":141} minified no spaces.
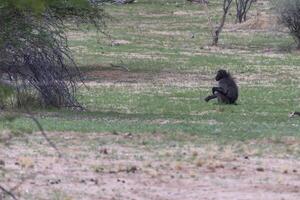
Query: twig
{"x":8,"y":193}
{"x":38,"y":124}
{"x":120,"y":66}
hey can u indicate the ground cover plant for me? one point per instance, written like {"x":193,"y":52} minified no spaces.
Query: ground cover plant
{"x":147,"y":132}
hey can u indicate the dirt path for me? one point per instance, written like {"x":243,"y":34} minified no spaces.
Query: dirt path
{"x":107,"y":166}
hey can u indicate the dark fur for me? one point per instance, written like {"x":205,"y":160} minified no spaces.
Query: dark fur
{"x":227,"y":91}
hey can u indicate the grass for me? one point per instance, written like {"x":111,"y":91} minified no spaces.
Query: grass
{"x":173,"y":36}
{"x":174,"y":111}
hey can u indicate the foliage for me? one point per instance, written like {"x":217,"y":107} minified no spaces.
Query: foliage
{"x":289,"y":14}
{"x":34,"y":49}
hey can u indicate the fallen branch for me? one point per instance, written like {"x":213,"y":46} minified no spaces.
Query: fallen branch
{"x":120,"y":66}
{"x":38,"y":124}
{"x":8,"y":193}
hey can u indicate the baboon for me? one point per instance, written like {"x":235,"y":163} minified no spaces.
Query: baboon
{"x":227,"y":91}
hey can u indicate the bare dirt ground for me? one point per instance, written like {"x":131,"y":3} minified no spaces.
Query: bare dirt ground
{"x":112,"y":166}
{"x":169,"y":78}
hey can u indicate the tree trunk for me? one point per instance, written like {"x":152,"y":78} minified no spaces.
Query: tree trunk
{"x":215,"y":38}
{"x":242,"y":8}
{"x":218,"y":30}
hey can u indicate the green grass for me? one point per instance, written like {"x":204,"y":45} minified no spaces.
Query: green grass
{"x":261,"y":112}
{"x":160,"y":40}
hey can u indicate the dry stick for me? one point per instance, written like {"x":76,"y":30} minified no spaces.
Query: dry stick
{"x":120,"y":66}
{"x":47,"y":139}
{"x":23,"y":179}
{"x":16,"y":186}
{"x":216,"y":32}
{"x":43,"y":133}
{"x":8,"y":193}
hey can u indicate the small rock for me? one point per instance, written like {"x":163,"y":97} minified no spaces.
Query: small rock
{"x":52,"y":182}
{"x":200,"y":163}
{"x":82,"y":181}
{"x":220,"y":166}
{"x":260,"y":169}
{"x":128,"y":135}
{"x":132,"y":169}
{"x":115,"y":133}
{"x":104,"y":151}
{"x":95,"y":181}
{"x":2,"y":162}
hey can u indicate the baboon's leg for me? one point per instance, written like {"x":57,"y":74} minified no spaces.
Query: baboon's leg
{"x":222,"y":98}
{"x":210,"y":97}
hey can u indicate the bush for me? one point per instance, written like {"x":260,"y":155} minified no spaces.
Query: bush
{"x":289,"y":14}
{"x":34,"y":50}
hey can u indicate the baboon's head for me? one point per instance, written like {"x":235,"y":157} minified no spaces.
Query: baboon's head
{"x":222,"y":74}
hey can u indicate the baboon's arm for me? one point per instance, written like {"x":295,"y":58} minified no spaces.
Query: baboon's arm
{"x":219,"y":89}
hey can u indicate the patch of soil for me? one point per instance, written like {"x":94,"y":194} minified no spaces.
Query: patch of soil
{"x":197,"y":79}
{"x":188,"y":13}
{"x":189,"y":79}
{"x":120,"y":42}
{"x":97,"y":166}
{"x":260,"y":21}
{"x":168,"y":33}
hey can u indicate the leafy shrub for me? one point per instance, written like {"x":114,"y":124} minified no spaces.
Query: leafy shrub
{"x":289,"y":14}
{"x":34,"y":48}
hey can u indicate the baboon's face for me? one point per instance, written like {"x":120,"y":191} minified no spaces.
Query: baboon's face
{"x":221,"y":74}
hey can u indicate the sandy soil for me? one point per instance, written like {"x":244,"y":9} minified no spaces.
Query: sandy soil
{"x":162,"y":78}
{"x":186,"y":79}
{"x":120,"y":167}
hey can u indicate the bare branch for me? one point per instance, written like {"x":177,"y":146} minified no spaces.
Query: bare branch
{"x":40,"y":127}
{"x":8,"y":193}
{"x":217,"y":30}
{"x":242,"y":8}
